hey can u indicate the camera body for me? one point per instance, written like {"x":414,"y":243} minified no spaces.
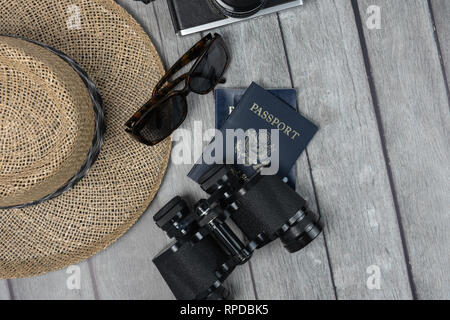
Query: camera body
{"x":199,"y":15}
{"x":206,"y":250}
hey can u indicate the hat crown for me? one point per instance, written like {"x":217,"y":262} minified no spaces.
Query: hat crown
{"x":46,"y":122}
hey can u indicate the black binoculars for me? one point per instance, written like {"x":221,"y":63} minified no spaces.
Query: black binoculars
{"x":206,"y":249}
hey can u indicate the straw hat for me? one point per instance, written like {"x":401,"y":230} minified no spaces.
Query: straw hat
{"x":68,"y":188}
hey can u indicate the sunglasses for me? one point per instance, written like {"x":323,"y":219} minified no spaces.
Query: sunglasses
{"x":167,"y":109}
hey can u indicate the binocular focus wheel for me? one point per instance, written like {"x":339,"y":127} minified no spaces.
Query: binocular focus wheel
{"x":169,"y":211}
{"x":170,"y":218}
{"x":209,"y":180}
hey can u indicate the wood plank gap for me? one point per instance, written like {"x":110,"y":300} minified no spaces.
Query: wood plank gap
{"x":93,"y":279}
{"x":439,"y":48}
{"x":252,"y":276}
{"x":381,"y":131}
{"x":10,"y":290}
{"x":161,"y":49}
{"x":288,"y":62}
{"x":320,"y":215}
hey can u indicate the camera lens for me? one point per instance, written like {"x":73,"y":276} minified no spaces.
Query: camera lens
{"x":239,"y":8}
{"x":302,"y":232}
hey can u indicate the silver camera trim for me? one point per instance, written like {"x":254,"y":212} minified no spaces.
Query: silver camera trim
{"x":224,"y":22}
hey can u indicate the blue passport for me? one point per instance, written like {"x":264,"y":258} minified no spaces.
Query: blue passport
{"x":260,"y":109}
{"x":228,"y":99}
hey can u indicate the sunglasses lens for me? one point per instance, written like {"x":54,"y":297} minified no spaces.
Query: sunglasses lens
{"x":210,"y":69}
{"x":161,"y":121}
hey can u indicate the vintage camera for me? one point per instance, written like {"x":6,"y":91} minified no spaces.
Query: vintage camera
{"x":206,"y":249}
{"x":191,"y":16}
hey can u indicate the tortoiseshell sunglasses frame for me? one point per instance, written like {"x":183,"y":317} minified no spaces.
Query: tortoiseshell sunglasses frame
{"x":165,"y":89}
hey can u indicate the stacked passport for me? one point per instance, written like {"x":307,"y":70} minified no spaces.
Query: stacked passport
{"x":256,"y":108}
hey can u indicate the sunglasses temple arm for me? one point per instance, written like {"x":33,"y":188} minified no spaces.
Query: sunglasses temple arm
{"x":196,"y":51}
{"x":140,"y":112}
{"x":170,"y":85}
{"x":161,"y":93}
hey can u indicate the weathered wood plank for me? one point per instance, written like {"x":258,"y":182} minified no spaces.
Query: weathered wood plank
{"x":4,"y":290}
{"x":346,"y":157}
{"x":441,"y":12}
{"x":415,"y":116}
{"x":258,"y":55}
{"x":54,"y":285}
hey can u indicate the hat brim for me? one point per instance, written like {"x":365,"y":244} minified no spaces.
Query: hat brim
{"x":119,"y":57}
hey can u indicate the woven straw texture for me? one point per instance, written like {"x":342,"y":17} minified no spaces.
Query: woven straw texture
{"x":121,"y":60}
{"x":47,"y":122}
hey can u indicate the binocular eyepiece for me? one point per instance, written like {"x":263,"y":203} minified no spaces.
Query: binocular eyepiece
{"x":206,"y":250}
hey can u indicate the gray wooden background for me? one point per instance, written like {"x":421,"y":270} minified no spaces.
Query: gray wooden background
{"x":378,"y":170}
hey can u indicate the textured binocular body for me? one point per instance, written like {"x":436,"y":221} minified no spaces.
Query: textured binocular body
{"x":206,"y":250}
